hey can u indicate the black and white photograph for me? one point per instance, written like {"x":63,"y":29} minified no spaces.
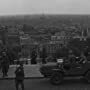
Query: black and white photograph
{"x":44,"y":44}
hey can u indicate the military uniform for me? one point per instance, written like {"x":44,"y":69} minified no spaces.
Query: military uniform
{"x":19,"y":79}
{"x":5,"y":64}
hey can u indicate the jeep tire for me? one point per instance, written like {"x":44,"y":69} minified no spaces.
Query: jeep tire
{"x":56,"y":78}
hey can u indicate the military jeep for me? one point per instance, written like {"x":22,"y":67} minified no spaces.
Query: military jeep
{"x":58,"y":71}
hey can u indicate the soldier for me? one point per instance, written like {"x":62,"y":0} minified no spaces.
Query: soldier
{"x":19,"y":79}
{"x":71,"y":57}
{"x":43,"y":55}
{"x":5,"y":64}
{"x":82,"y":58}
{"x":33,"y":57}
{"x":88,"y":57}
{"x":86,"y":50}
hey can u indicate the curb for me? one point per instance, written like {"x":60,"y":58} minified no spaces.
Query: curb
{"x":11,"y":78}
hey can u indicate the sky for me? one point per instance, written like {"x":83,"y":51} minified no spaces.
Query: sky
{"x":13,"y":7}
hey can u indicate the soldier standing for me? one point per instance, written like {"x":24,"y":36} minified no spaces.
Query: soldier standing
{"x":19,"y":79}
{"x":43,"y":55}
{"x":5,"y":64}
{"x":33,"y":57}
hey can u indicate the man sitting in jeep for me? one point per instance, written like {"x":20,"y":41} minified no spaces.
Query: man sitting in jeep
{"x":82,"y":58}
{"x":71,"y":57}
{"x":70,"y":61}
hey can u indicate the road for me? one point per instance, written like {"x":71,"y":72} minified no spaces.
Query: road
{"x":44,"y":84}
{"x":30,"y":71}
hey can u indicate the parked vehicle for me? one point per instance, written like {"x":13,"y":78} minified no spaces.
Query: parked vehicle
{"x":58,"y":71}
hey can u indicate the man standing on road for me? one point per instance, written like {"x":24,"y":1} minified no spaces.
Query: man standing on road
{"x":19,"y":79}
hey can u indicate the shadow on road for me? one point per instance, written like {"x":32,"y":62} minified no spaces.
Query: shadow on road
{"x":44,"y":84}
{"x":76,"y":84}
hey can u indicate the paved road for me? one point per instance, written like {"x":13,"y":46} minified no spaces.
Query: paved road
{"x":30,"y":71}
{"x":43,"y":84}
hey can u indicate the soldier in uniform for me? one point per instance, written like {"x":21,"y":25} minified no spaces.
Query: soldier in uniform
{"x":33,"y":57}
{"x":19,"y":79}
{"x":82,"y":58}
{"x":71,"y":57}
{"x":5,"y":64}
{"x":43,"y":55}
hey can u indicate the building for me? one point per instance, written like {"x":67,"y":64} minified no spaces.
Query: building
{"x":27,"y":45}
{"x":57,"y":41}
{"x":81,"y":41}
{"x":84,"y":34}
{"x":13,"y":37}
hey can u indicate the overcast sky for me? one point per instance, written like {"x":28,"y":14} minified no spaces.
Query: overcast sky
{"x":8,"y":7}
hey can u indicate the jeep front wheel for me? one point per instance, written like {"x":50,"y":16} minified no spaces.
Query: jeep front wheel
{"x":56,"y":78}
